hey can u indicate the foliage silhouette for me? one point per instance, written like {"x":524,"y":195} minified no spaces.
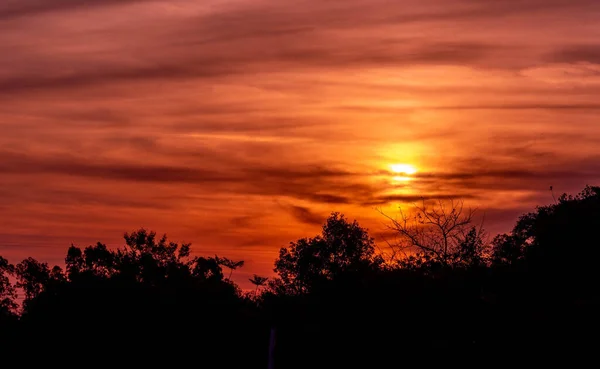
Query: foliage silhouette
{"x":333,"y":303}
{"x":342,"y":247}
{"x":150,"y":291}
{"x":7,"y":290}
{"x":230,"y":264}
{"x":258,"y":281}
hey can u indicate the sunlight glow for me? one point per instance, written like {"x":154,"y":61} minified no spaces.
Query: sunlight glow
{"x":405,"y":169}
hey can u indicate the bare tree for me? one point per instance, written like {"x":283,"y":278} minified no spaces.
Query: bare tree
{"x":440,"y":230}
{"x":258,"y":281}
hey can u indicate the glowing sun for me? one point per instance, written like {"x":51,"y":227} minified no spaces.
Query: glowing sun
{"x":405,"y":169}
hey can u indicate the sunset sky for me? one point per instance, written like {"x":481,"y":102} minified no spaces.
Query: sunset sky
{"x":239,"y":125}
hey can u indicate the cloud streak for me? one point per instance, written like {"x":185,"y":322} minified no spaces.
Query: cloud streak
{"x":12,"y":9}
{"x":305,"y":215}
{"x":238,"y":125}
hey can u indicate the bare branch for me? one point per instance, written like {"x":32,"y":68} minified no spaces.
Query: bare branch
{"x":439,"y":228}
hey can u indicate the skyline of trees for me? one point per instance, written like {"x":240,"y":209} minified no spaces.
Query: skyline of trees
{"x":332,"y":294}
{"x":436,"y":231}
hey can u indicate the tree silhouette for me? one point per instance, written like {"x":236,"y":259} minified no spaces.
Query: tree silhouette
{"x":7,"y":289}
{"x":144,"y":259}
{"x":230,"y":264}
{"x":207,"y":269}
{"x":341,"y":247}
{"x":258,"y":281}
{"x":472,"y":251}
{"x":148,"y":289}
{"x":438,"y":232}
{"x":508,"y":249}
{"x":34,"y":277}
{"x":561,"y":236}
{"x":332,"y":299}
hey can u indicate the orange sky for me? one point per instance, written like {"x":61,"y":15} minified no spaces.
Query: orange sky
{"x":239,"y":125}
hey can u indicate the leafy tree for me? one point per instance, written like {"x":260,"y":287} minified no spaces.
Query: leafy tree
{"x":555,"y":233}
{"x":7,"y":289}
{"x":151,"y":260}
{"x":342,"y":247}
{"x":207,"y":269}
{"x":559,"y":237}
{"x":148,"y":289}
{"x":508,"y":249}
{"x":146,"y":264}
{"x":472,"y":251}
{"x":144,"y":259}
{"x":74,"y":261}
{"x":34,"y":277}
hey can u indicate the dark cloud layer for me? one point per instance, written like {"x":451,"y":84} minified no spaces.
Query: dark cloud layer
{"x":305,"y":215}
{"x":285,"y":37}
{"x":11,"y":9}
{"x":207,"y":66}
{"x":577,"y":53}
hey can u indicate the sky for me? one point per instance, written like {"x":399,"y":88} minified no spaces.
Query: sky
{"x":239,"y":125}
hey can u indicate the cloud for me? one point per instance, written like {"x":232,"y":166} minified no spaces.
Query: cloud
{"x":231,"y":42}
{"x":317,"y":184}
{"x":77,"y":198}
{"x":305,"y":215}
{"x":112,"y":74}
{"x":199,"y":117}
{"x":573,"y":74}
{"x":243,"y":221}
{"x":386,"y":199}
{"x":22,"y":164}
{"x":505,"y":106}
{"x":343,"y":14}
{"x":11,"y":9}
{"x":477,"y":176}
{"x":589,"y":53}
{"x":521,"y":106}
{"x":197,"y":65}
{"x":308,"y":183}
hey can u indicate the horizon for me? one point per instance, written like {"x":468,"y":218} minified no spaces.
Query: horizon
{"x":239,"y":126}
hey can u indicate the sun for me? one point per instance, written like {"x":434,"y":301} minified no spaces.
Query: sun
{"x":405,"y":169}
